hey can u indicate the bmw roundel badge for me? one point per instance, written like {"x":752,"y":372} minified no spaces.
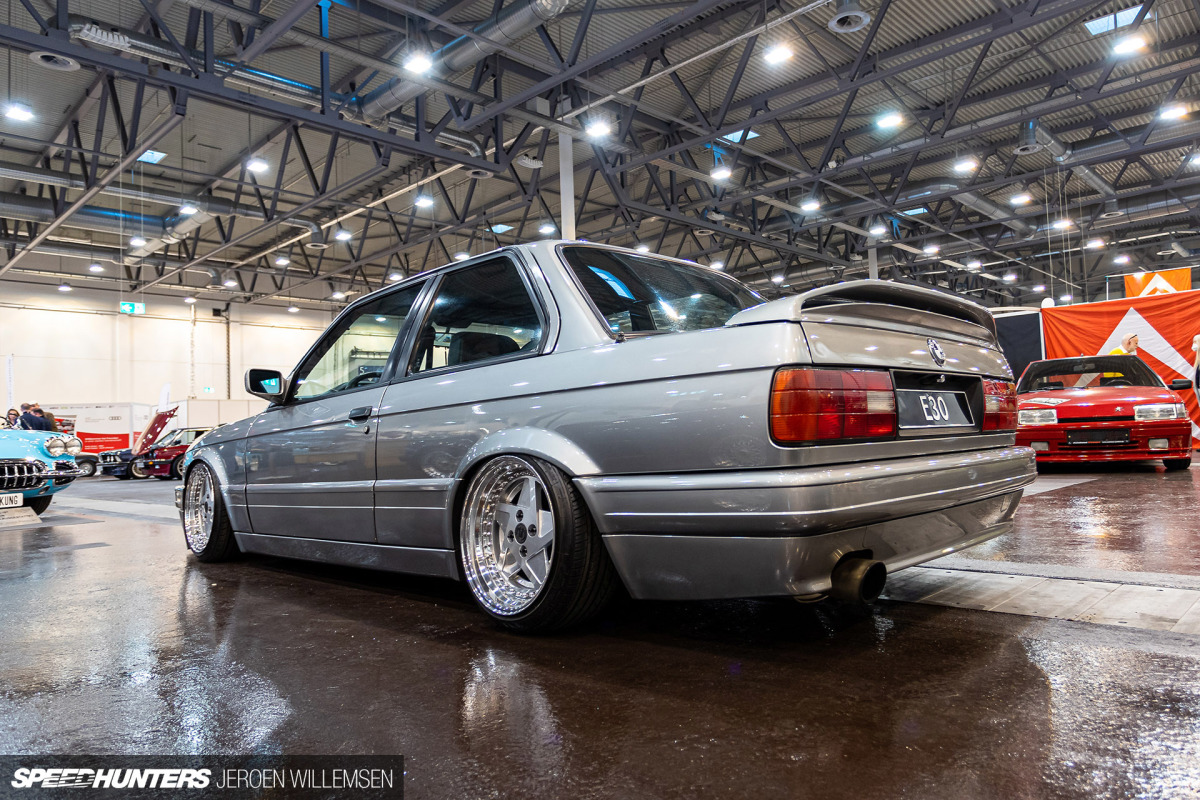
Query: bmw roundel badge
{"x":935,"y":350}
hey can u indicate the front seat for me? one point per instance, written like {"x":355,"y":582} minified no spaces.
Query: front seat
{"x":469,"y":346}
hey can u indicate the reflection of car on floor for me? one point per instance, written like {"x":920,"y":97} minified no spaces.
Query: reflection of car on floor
{"x":555,"y":419}
{"x":34,"y":465}
{"x":1103,"y":408}
{"x":164,"y":457}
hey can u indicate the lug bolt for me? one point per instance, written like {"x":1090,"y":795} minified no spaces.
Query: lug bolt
{"x":524,"y":551}
{"x":533,"y":530}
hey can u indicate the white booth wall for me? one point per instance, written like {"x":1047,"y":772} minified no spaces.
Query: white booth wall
{"x":75,"y":347}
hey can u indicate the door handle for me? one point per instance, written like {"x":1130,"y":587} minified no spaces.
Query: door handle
{"x":360,"y":413}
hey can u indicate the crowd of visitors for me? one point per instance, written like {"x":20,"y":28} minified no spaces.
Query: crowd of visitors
{"x":31,"y":417}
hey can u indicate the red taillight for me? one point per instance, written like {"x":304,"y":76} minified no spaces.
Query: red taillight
{"x":999,"y":406}
{"x":809,"y":405}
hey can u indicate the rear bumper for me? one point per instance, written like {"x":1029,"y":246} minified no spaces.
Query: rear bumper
{"x":773,"y":532}
{"x":1052,"y":446}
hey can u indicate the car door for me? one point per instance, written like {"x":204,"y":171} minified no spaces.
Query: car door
{"x":311,"y":459}
{"x":479,"y":321}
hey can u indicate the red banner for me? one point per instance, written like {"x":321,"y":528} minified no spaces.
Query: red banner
{"x":1165,"y":325}
{"x":99,"y":442}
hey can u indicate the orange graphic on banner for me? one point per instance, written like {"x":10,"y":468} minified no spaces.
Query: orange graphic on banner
{"x":1145,"y":284}
{"x":1165,"y":325}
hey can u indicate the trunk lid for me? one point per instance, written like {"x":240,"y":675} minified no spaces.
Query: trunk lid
{"x":897,"y":326}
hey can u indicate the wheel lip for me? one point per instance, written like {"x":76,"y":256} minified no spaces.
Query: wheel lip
{"x":197,"y":531}
{"x":470,"y":544}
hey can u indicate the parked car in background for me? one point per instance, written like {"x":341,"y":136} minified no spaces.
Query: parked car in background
{"x":1102,"y":408}
{"x":553,"y":419}
{"x":125,"y":463}
{"x":165,"y":456}
{"x":88,"y":463}
{"x":34,"y":466}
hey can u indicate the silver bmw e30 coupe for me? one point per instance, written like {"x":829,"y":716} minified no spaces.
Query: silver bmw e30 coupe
{"x":549,"y":420}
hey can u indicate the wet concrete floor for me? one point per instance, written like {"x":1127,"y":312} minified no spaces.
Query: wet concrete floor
{"x":115,"y":641}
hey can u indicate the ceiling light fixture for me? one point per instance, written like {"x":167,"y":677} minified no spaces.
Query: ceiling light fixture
{"x":777,"y":53}
{"x":968,"y":164}
{"x":95,"y":267}
{"x":395,"y":276}
{"x":189,"y":300}
{"x":930,"y":249}
{"x":1128,"y":45}
{"x":721,"y":173}
{"x":719,"y":264}
{"x":598,"y":129}
{"x":343,"y":235}
{"x":137,"y":241}
{"x":423,"y":201}
{"x":1173,"y":112}
{"x":187,"y":209}
{"x":1061,"y":224}
{"x":1021,"y":199}
{"x":1095,"y":244}
{"x":292,"y":309}
{"x":643,"y":248}
{"x":282,"y":261}
{"x":338,"y":296}
{"x":19,"y":112}
{"x":547,"y":228}
{"x":1121,"y":259}
{"x":878,"y":229}
{"x":811,"y":204}
{"x":1039,"y":288}
{"x":974,"y":265}
{"x":230,"y":283}
{"x":1066,"y":298}
{"x":1011,"y":277}
{"x":462,"y":256}
{"x":776,"y":279}
{"x":418,"y":63}
{"x":64,"y":287}
{"x":257,"y":164}
{"x":891,"y":119}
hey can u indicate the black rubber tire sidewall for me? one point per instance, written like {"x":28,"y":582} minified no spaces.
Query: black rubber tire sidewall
{"x":1173,"y":464}
{"x":38,"y":504}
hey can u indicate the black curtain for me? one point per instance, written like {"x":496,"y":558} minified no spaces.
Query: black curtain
{"x":1020,"y":339}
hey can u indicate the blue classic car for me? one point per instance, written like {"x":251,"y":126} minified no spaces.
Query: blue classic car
{"x":34,"y":465}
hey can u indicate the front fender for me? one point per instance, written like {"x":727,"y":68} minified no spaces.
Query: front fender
{"x":224,"y":460}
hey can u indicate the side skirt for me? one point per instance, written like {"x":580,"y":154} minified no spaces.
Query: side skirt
{"x":415,"y":560}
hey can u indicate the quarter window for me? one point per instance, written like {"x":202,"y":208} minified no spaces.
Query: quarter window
{"x":354,"y":352}
{"x":480,"y":313}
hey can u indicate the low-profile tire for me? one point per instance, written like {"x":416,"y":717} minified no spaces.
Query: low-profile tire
{"x":38,"y":504}
{"x":1173,"y":464}
{"x":137,"y":472}
{"x":88,"y":467}
{"x":530,"y":552}
{"x":176,"y":468}
{"x":206,"y":527}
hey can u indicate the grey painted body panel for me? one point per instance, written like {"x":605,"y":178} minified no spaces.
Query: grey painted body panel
{"x":665,"y":435}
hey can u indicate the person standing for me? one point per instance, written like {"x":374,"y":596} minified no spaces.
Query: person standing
{"x":1129,"y":346}
{"x":13,"y":418}
{"x":31,"y":421}
{"x":55,"y":427}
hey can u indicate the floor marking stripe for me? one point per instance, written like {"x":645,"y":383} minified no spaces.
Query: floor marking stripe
{"x":1048,"y":483}
{"x":156,"y":510}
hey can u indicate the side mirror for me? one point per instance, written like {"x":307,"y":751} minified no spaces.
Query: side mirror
{"x":265,"y":383}
{"x":1179,"y":384}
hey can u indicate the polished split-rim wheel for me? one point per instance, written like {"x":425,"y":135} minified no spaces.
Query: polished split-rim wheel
{"x":199,"y":509}
{"x":508,"y":536}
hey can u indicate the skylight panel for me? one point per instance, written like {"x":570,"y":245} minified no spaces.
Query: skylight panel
{"x":1110,"y":22}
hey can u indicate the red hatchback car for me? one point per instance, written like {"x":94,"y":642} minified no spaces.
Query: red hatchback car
{"x":1102,"y":408}
{"x":163,"y":458}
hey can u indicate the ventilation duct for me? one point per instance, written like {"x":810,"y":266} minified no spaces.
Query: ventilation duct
{"x":503,"y":30}
{"x":142,"y":46}
{"x":849,"y":17}
{"x":1027,"y":143}
{"x":89,"y":218}
{"x":1062,"y":154}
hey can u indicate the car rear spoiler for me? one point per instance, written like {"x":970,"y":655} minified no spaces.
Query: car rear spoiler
{"x":903,"y":295}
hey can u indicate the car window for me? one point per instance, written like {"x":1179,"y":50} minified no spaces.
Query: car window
{"x":169,"y":439}
{"x":355,"y":351}
{"x":644,"y":294}
{"x":1087,"y":373}
{"x":480,"y":313}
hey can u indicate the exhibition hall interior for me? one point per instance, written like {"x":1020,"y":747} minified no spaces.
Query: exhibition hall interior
{"x":600,"y":398}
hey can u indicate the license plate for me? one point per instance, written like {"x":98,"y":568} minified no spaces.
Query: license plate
{"x":11,"y":500}
{"x":1102,"y":436}
{"x":932,"y":409}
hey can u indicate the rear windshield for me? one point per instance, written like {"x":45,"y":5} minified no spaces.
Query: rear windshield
{"x":643,"y":294}
{"x":1087,"y":373}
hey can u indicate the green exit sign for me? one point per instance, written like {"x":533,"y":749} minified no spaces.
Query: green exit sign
{"x":133,"y":308}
